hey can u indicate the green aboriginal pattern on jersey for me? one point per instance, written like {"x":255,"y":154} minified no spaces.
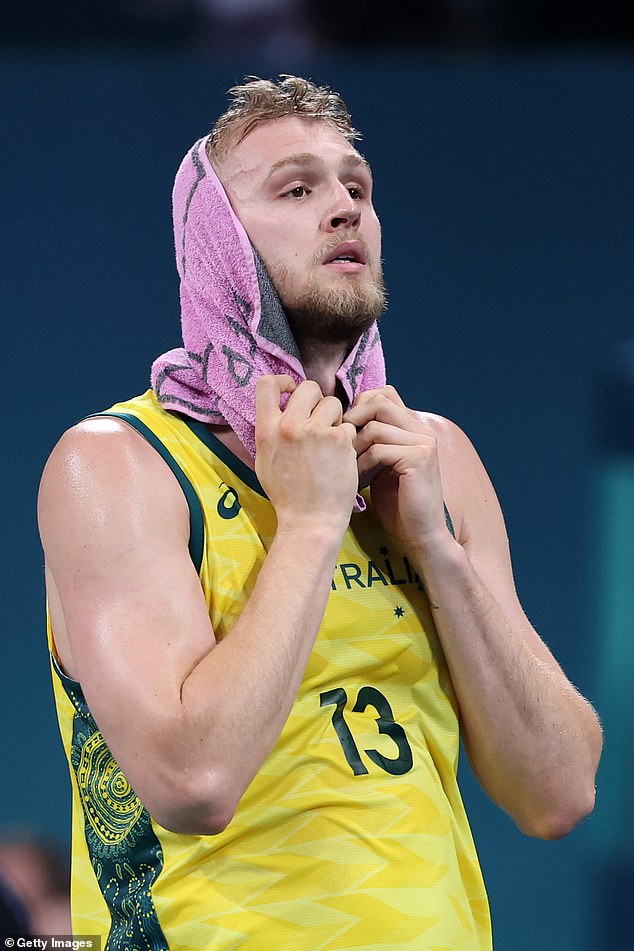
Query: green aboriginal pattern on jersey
{"x":125,"y":853}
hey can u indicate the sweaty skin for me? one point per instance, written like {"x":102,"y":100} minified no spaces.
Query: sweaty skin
{"x":122,"y":586}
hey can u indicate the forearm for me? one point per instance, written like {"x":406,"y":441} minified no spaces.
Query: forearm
{"x":236,"y":700}
{"x":532,"y":739}
{"x":534,"y":742}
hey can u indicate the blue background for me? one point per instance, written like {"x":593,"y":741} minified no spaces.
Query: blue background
{"x":505,"y":191}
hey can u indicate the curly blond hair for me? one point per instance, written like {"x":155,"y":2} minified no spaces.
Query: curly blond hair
{"x":259,"y":100}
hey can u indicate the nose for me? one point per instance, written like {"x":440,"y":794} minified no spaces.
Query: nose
{"x":343,"y":210}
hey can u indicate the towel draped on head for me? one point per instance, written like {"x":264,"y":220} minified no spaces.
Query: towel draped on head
{"x":233,"y":324}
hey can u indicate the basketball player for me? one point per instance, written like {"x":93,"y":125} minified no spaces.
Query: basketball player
{"x":278,"y":596}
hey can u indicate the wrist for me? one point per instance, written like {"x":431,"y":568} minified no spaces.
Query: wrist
{"x":310,"y":531}
{"x":439,"y":560}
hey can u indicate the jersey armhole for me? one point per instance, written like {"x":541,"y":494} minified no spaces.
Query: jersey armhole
{"x":196,"y":522}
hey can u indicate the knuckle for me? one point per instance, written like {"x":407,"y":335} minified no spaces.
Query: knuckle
{"x":287,"y":429}
{"x":425,"y":452}
{"x":313,"y":428}
{"x":372,"y":455}
{"x":344,"y":434}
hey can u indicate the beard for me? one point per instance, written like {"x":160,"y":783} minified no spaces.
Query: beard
{"x":336,"y":314}
{"x":331,"y":314}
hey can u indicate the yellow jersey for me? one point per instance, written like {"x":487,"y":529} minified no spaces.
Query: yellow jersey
{"x":353,"y":834}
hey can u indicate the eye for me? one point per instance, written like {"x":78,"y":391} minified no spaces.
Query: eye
{"x":355,"y":191}
{"x":298,"y":191}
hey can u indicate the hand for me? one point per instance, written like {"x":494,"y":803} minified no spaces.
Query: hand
{"x":305,"y":456}
{"x":398,"y":456}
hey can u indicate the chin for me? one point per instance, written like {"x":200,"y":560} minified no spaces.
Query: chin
{"x":337,"y":314}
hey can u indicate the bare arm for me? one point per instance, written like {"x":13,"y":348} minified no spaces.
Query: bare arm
{"x":173,"y":705}
{"x":533,"y":741}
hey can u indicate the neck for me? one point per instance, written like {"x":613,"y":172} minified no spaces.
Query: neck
{"x":321,"y":362}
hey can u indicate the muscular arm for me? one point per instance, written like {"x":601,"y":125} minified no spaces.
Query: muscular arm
{"x":131,"y":623}
{"x":532,"y":739}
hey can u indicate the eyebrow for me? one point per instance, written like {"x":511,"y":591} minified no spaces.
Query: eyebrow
{"x":310,"y":158}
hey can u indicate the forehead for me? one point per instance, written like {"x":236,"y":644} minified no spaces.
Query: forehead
{"x":272,"y":143}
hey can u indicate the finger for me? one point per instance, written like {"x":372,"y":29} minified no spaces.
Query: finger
{"x":401,"y":459}
{"x":387,"y":392}
{"x":304,"y":399}
{"x":329,"y":412}
{"x":349,"y":430}
{"x":376,"y":432}
{"x":381,"y":408}
{"x":346,"y":432}
{"x":371,"y":462}
{"x":268,"y":391}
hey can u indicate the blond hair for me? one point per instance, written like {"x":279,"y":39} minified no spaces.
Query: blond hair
{"x":260,"y":100}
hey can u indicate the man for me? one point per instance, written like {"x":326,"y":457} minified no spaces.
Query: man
{"x":265,"y":649}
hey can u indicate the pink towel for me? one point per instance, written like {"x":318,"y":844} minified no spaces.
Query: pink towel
{"x":234,"y":327}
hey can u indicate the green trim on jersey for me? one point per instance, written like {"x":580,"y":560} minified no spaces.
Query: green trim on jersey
{"x":202,"y":431}
{"x":353,"y":832}
{"x":196,"y":522}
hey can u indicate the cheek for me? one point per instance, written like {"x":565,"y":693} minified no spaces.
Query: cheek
{"x":276,"y":243}
{"x":373,"y":226}
{"x":374,"y":239}
{"x":258,"y":233}
{"x":279,"y":240}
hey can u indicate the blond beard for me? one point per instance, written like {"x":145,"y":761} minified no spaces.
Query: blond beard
{"x":338,"y":314}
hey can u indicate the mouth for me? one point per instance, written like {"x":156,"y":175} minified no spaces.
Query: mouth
{"x":347,"y":257}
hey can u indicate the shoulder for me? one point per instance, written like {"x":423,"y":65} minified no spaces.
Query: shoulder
{"x":102,"y":468}
{"x":453,"y":443}
{"x":98,"y":444}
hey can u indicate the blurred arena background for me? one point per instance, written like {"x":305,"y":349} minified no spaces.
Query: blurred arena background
{"x":501,"y":133}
